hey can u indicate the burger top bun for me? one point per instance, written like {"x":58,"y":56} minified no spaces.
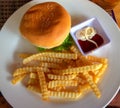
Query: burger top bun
{"x":46,"y":25}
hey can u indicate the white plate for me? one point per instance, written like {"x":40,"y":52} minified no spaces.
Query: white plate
{"x":11,"y":43}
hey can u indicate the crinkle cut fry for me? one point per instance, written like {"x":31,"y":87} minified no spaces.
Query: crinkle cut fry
{"x":56,"y":83}
{"x":50,"y":65}
{"x":101,"y":70}
{"x":65,"y":94}
{"x":77,"y":70}
{"x":61,"y":77}
{"x":18,"y":78}
{"x":33,"y":81}
{"x":26,"y":70}
{"x":84,"y":88}
{"x":34,"y":88}
{"x":43,"y":85}
{"x":80,"y":80}
{"x":49,"y":59}
{"x":83,"y":59}
{"x":74,"y":49}
{"x":97,"y":59}
{"x":50,"y":54}
{"x":33,"y":75}
{"x":92,"y":84}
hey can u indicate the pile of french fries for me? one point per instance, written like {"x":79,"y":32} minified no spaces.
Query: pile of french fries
{"x":64,"y":75}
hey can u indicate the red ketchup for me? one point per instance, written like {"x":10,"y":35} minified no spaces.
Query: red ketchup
{"x":89,"y":46}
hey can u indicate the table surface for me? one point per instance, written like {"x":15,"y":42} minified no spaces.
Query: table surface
{"x":117,"y":14}
{"x":7,"y":7}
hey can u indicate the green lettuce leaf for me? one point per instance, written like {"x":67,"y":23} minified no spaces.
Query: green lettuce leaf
{"x":64,"y":46}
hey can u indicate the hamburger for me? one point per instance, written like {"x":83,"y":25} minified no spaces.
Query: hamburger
{"x":47,"y":25}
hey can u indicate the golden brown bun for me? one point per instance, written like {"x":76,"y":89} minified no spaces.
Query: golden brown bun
{"x":46,"y":25}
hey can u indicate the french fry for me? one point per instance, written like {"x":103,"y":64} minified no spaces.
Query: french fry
{"x":80,"y":80}
{"x":68,"y":95}
{"x":96,"y":79}
{"x":74,"y":49}
{"x":97,"y":59}
{"x":33,"y":81}
{"x":92,"y":84}
{"x":32,"y":57}
{"x":33,"y":75}
{"x":56,"y":83}
{"x":58,"y":88}
{"x":77,"y":70}
{"x":43,"y":85}
{"x":18,"y":78}
{"x":50,"y":65}
{"x":34,"y":88}
{"x":50,"y":54}
{"x":61,"y":77}
{"x":102,"y":70}
{"x":49,"y":59}
{"x":83,"y":59}
{"x":27,"y":70}
{"x":84,"y":88}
